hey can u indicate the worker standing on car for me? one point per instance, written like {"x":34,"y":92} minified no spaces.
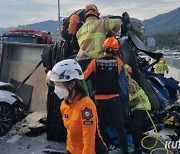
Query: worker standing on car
{"x":161,"y":67}
{"x":106,"y":71}
{"x":93,"y":33}
{"x":70,"y":26}
{"x":78,"y":111}
{"x":139,"y":102}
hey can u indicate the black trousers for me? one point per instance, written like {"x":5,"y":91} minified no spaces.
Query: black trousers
{"x":138,"y":119}
{"x":113,"y":109}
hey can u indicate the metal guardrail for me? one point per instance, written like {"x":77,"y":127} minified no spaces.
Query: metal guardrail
{"x":173,"y":62}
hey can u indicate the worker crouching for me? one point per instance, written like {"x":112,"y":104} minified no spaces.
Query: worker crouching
{"x":139,"y":106}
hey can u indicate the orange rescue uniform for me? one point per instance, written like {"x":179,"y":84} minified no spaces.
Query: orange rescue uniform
{"x":80,"y":120}
{"x":73,"y":24}
{"x":92,"y":69}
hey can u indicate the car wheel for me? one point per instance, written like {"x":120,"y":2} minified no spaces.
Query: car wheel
{"x":7,"y":117}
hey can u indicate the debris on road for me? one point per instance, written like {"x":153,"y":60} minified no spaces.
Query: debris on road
{"x":49,"y":149}
{"x":31,"y":125}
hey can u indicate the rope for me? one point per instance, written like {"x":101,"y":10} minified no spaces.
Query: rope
{"x":148,"y":136}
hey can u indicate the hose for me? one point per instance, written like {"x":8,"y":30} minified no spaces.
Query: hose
{"x":148,"y":136}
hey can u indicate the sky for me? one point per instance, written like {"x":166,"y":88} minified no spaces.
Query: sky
{"x":23,"y":12}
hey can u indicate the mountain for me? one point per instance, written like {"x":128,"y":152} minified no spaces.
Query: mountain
{"x":136,"y":20}
{"x":163,"y":22}
{"x":50,"y":26}
{"x":3,"y":30}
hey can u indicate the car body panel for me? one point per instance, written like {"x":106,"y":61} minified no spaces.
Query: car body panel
{"x":6,"y":96}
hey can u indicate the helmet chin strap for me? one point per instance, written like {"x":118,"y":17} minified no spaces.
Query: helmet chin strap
{"x":71,"y":95}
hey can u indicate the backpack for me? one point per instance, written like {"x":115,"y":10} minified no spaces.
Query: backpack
{"x":64,"y":29}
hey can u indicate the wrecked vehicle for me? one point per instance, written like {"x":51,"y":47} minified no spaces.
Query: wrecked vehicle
{"x":131,"y":45}
{"x":10,"y":107}
{"x":162,"y":92}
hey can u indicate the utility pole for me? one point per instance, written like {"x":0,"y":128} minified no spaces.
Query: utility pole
{"x":59,"y":17}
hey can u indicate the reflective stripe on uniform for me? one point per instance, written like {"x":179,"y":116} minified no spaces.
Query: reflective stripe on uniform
{"x":90,"y":36}
{"x":97,"y":46}
{"x":86,"y":28}
{"x":107,"y":61}
{"x":111,"y":23}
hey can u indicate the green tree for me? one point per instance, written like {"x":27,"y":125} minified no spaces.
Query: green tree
{"x":167,"y":39}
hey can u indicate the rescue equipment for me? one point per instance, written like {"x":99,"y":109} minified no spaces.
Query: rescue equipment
{"x":64,"y":29}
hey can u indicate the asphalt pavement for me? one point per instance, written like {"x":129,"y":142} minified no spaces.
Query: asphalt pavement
{"x":20,"y":144}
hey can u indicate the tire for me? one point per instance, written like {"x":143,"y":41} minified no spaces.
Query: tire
{"x":7,"y":117}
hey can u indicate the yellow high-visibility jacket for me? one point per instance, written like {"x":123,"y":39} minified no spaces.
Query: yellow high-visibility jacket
{"x":136,"y":100}
{"x":161,"y":67}
{"x":136,"y":95}
{"x":92,"y":35}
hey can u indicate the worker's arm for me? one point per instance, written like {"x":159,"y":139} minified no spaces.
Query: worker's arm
{"x":91,"y":68}
{"x":73,"y":23}
{"x":112,"y":25}
{"x":89,"y":125}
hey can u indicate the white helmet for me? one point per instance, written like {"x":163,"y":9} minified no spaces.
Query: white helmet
{"x":64,"y":71}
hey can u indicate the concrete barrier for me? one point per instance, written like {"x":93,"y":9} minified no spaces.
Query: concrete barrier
{"x":173,"y":62}
{"x":174,"y":68}
{"x":173,"y":72}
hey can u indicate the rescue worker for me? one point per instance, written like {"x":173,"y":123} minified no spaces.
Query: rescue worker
{"x":161,"y":67}
{"x":93,"y":32}
{"x":78,"y":111}
{"x":139,"y":102}
{"x":107,"y":99}
{"x":70,"y":26}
